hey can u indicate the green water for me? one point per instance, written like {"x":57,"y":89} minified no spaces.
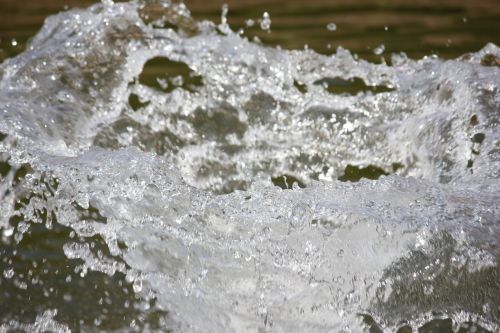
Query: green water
{"x":445,"y":27}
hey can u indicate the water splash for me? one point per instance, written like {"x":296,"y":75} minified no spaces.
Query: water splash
{"x":107,"y":135}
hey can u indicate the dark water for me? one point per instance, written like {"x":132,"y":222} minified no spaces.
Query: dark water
{"x":448,"y":28}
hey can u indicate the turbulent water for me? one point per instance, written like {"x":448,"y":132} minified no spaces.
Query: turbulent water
{"x":163,"y":174}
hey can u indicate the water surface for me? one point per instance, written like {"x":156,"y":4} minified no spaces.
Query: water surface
{"x":164,"y":172}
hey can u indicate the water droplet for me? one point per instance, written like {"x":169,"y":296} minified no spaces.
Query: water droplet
{"x":223,"y":26}
{"x":379,"y":49}
{"x":428,"y":289}
{"x":265,"y":22}
{"x":9,"y":273}
{"x":331,"y":26}
{"x":8,"y":232}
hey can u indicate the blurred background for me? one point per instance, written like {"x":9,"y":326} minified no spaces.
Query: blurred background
{"x":448,"y":28}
